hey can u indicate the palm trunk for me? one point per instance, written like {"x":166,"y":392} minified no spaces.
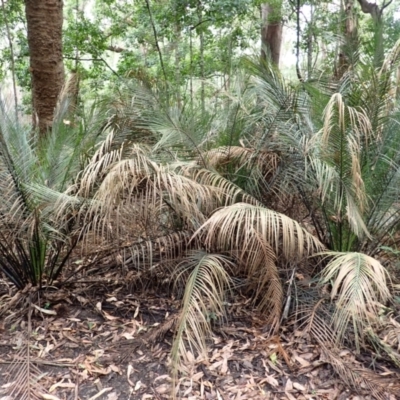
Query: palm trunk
{"x":44,"y":20}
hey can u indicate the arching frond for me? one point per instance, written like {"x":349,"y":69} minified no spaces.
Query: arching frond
{"x":266,"y":162}
{"x":359,"y":289}
{"x":206,"y":280}
{"x":257,"y":258}
{"x":230,"y":228}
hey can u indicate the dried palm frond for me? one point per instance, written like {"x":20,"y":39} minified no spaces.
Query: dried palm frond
{"x":230,"y":228}
{"x":359,"y":290}
{"x":257,"y":260}
{"x":382,"y":346}
{"x":139,"y":188}
{"x":256,"y":236}
{"x":159,"y":255}
{"x":24,"y":374}
{"x":361,"y":378}
{"x":159,"y":332}
{"x":317,"y":322}
{"x":243,"y":157}
{"x":206,"y":280}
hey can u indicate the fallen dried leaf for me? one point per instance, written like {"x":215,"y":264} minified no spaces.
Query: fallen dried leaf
{"x":162,"y":389}
{"x":298,"y":386}
{"x":96,"y":396}
{"x":289,"y":385}
{"x":49,"y":397}
{"x":272,"y":381}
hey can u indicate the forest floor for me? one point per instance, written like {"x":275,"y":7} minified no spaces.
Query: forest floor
{"x":91,"y":340}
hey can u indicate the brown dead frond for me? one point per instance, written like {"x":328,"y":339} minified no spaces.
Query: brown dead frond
{"x":24,"y":374}
{"x":229,"y":227}
{"x":255,"y":236}
{"x":242,"y":157}
{"x":258,"y":260}
{"x":158,"y":333}
{"x":228,"y":192}
{"x":316,"y":321}
{"x":165,"y":198}
{"x":206,"y":281}
{"x":389,"y":344}
{"x":359,"y":290}
{"x":360,"y":378}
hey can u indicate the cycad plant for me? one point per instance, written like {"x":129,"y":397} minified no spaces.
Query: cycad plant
{"x":37,"y":175}
{"x":152,"y":185}
{"x":336,"y":149}
{"x":166,"y":212}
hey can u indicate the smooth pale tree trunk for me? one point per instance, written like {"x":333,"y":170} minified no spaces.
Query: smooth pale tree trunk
{"x":177,"y":43}
{"x":310,"y":42}
{"x":271,"y":31}
{"x":44,"y":21}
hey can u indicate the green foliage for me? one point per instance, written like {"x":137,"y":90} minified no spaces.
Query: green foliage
{"x":37,"y":177}
{"x":205,"y":166}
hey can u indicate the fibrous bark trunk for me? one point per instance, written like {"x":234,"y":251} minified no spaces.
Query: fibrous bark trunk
{"x":351,"y":28}
{"x":349,"y":43}
{"x":44,"y":21}
{"x":271,"y":32}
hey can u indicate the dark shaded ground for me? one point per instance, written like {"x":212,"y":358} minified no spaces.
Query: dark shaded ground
{"x":97,"y":347}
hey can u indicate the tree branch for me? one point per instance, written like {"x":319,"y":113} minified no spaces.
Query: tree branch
{"x":93,"y":59}
{"x":116,"y":49}
{"x":298,"y":42}
{"x":384,"y":5}
{"x":370,"y":8}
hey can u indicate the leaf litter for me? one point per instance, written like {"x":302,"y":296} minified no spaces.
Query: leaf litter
{"x":102,"y":341}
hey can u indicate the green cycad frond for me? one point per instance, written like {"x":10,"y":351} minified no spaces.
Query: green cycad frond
{"x":206,"y":280}
{"x":142,"y":114}
{"x":254,"y":170}
{"x":183,"y":130}
{"x":37,"y":174}
{"x":226,"y":191}
{"x":127,"y":110}
{"x":344,"y":133}
{"x":359,"y":288}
